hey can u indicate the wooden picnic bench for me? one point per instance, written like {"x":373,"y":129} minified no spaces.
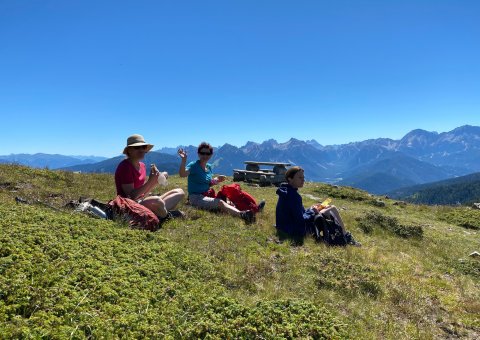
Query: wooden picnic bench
{"x":254,"y":173}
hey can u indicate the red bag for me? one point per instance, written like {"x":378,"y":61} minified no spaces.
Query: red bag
{"x":242,"y":200}
{"x":209,"y":193}
{"x":137,"y":215}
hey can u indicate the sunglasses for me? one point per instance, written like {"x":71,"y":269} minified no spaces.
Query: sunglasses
{"x":140,"y":147}
{"x":204,"y":153}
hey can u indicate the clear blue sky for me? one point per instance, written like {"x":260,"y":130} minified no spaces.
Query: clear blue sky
{"x":78,"y":77}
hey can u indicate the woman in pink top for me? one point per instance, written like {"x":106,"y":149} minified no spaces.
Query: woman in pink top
{"x":131,"y":180}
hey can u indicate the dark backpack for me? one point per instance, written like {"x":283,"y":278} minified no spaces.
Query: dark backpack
{"x":326,"y":229}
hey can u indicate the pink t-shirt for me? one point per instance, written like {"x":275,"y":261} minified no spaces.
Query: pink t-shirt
{"x":127,"y":174}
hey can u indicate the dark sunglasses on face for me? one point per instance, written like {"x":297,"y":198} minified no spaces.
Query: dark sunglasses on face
{"x":204,"y":153}
{"x":140,"y":147}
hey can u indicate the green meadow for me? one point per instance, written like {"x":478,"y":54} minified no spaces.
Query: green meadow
{"x":65,"y":274}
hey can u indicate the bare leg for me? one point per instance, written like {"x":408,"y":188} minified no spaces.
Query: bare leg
{"x":172,"y":198}
{"x":156,"y":205}
{"x":333,"y":211}
{"x":229,"y":209}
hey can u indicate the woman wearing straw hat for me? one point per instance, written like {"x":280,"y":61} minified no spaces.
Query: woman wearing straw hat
{"x":131,"y":180}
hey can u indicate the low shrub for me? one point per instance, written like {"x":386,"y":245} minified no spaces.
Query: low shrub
{"x":373,"y":219}
{"x":226,"y":318}
{"x":65,"y":275}
{"x":377,"y":203}
{"x":334,"y":191}
{"x":349,"y":278}
{"x":468,"y":267}
{"x":463,"y":217}
{"x":407,"y":231}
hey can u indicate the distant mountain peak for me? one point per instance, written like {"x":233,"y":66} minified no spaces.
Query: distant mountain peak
{"x":250,"y":144}
{"x":418,"y":138}
{"x":269,"y":142}
{"x":420,"y":132}
{"x":294,"y":140}
{"x":314,"y":143}
{"x":467,"y":129}
{"x":226,"y":147}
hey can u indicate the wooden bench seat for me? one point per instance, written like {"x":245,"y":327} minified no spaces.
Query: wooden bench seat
{"x":267,"y":163}
{"x":261,"y":172}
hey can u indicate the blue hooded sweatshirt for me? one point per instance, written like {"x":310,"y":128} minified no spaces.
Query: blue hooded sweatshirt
{"x":291,"y":216}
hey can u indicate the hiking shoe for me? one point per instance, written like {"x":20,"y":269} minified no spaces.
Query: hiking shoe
{"x":261,"y":205}
{"x":171,"y":214}
{"x":355,"y":243}
{"x":166,"y":218}
{"x":351,"y":241}
{"x":176,"y":214}
{"x":21,"y":200}
{"x":248,"y":216}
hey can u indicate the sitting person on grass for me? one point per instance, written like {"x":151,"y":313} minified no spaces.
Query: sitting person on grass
{"x":293,"y":220}
{"x":200,"y":179}
{"x":131,"y":181}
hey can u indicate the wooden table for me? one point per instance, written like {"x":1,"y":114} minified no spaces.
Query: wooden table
{"x":253,"y":173}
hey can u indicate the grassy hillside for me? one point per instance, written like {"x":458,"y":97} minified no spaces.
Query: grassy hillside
{"x":66,"y":274}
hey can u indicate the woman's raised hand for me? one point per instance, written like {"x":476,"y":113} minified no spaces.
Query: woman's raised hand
{"x":154,"y":173}
{"x":182,"y":153}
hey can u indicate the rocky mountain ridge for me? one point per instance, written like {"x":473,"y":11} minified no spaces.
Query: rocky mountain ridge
{"x":376,"y":165}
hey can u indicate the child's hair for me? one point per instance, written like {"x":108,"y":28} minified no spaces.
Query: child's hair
{"x":292,"y":172}
{"x":205,"y":145}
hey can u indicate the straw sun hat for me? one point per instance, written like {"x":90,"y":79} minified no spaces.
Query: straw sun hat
{"x":137,"y":140}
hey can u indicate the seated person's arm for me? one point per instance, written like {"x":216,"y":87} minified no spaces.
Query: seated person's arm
{"x":182,"y":171}
{"x":140,"y":191}
{"x":300,"y":215}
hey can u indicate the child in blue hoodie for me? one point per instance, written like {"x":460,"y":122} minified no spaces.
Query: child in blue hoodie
{"x":292,"y":219}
